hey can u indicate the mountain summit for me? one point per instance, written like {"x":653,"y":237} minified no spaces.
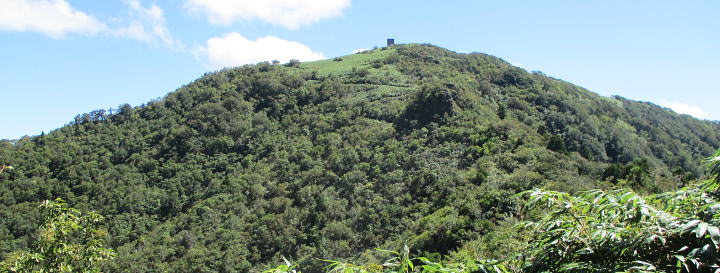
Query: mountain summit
{"x":411,"y":144}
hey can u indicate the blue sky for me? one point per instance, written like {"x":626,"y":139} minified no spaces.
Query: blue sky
{"x":60,"y":58}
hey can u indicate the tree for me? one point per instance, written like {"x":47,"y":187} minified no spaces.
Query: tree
{"x":68,"y":241}
{"x":557,"y":144}
{"x":293,"y":63}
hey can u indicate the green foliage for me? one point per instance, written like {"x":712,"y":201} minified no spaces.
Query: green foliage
{"x":440,"y":232}
{"x":402,"y":262}
{"x":293,"y":63}
{"x":599,"y":231}
{"x":68,"y":241}
{"x":288,"y":267}
{"x":713,"y":168}
{"x":557,"y":144}
{"x":621,"y":231}
{"x":412,"y":144}
{"x":345,"y":64}
{"x":431,"y":104}
{"x":635,"y":174}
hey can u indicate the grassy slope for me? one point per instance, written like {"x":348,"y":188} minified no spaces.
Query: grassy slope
{"x":345,"y":64}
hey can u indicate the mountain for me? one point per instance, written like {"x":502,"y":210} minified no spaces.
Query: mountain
{"x":411,"y":144}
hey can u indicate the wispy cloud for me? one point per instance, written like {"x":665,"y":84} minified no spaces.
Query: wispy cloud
{"x":147,"y":24}
{"x":683,"y":108}
{"x":56,"y":18}
{"x":291,"y":14}
{"x":53,"y":18}
{"x":233,"y":49}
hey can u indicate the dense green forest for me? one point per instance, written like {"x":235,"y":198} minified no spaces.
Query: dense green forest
{"x":411,"y":145}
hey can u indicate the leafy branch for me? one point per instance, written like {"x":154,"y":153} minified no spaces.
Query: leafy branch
{"x":68,"y":241}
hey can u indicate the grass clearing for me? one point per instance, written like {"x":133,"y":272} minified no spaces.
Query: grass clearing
{"x":346,"y":63}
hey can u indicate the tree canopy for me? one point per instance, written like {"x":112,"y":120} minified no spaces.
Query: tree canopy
{"x":409,"y":145}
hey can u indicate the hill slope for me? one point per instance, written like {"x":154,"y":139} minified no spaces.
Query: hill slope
{"x":412,"y":144}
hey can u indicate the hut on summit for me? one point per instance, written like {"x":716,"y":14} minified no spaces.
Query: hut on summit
{"x":390,"y":42}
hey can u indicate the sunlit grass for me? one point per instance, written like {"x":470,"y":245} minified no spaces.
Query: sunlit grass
{"x":345,"y":64}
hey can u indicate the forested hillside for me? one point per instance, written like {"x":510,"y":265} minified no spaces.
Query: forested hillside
{"x":408,"y":145}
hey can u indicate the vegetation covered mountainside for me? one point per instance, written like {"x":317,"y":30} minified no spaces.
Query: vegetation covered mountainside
{"x":412,"y":144}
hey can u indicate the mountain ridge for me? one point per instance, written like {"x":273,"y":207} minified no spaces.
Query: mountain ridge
{"x":408,"y":144}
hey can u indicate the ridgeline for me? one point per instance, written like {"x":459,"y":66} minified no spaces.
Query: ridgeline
{"x":411,"y":144}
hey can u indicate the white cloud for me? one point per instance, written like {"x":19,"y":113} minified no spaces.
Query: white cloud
{"x":682,"y":108}
{"x":148,"y":25}
{"x":54,"y":18}
{"x":359,"y":50}
{"x":233,"y":49}
{"x":287,"y":13}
